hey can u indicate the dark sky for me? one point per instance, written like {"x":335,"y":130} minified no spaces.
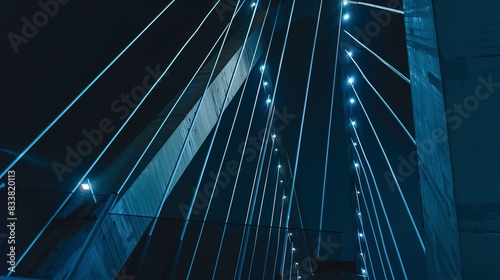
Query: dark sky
{"x":43,"y":75}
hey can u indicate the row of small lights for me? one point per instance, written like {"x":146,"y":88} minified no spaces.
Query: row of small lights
{"x":350,"y":80}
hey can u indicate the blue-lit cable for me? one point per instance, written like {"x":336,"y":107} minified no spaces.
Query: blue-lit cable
{"x":80,"y":95}
{"x":271,"y":224}
{"x":382,"y":99}
{"x":112,"y":139}
{"x":279,"y":232}
{"x":381,"y":59}
{"x":381,"y":202}
{"x":261,"y":205}
{"x":364,"y":233}
{"x":216,"y":130}
{"x":223,"y":157}
{"x":368,"y":186}
{"x":172,"y":177}
{"x":375,"y":6}
{"x":266,"y":137}
{"x":392,"y":171}
{"x":329,"y":130}
{"x":253,"y":198}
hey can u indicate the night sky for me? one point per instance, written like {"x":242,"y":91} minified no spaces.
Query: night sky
{"x":43,"y":75}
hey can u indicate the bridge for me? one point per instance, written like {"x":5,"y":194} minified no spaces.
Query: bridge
{"x":285,"y":139}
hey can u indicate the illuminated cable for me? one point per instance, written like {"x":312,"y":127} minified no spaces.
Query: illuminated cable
{"x":368,"y":186}
{"x":264,"y":144}
{"x":112,"y":139}
{"x":261,"y":206}
{"x":374,"y":6}
{"x":364,"y":237}
{"x":381,"y":59}
{"x":329,"y":132}
{"x":381,"y":202}
{"x":392,"y":171}
{"x":371,"y":224}
{"x":79,"y":96}
{"x":224,"y":154}
{"x":195,"y":118}
{"x":383,"y":101}
{"x":271,"y":225}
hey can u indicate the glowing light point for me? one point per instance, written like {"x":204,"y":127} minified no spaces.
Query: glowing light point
{"x":284,"y":197}
{"x":346,"y":17}
{"x":349,"y":53}
{"x":279,"y":165}
{"x":356,"y":165}
{"x":262,"y":68}
{"x":358,"y":192}
{"x":253,"y":4}
{"x":353,"y":123}
{"x":293,"y":249}
{"x":265,"y":83}
{"x":355,"y":144}
{"x":85,"y":186}
{"x":363,"y":271}
{"x":352,"y":100}
{"x":351,"y":80}
{"x":345,"y":2}
{"x":276,"y":149}
{"x":360,"y":234}
{"x":273,"y":136}
{"x":281,"y":181}
{"x":268,"y":100}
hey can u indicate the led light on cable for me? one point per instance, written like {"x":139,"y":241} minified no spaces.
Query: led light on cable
{"x":360,"y":234}
{"x":356,"y":165}
{"x":346,"y":17}
{"x":279,"y":165}
{"x":265,"y":83}
{"x":353,"y":123}
{"x":262,"y":68}
{"x":352,"y":100}
{"x":276,"y":149}
{"x":363,"y":271}
{"x":345,"y":2}
{"x":85,"y":186}
{"x":350,"y":80}
{"x":253,"y":4}
{"x":268,"y":100}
